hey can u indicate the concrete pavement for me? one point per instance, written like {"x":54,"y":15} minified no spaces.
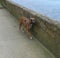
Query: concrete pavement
{"x":15,"y":44}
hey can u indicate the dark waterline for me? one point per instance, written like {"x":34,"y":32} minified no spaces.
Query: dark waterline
{"x":50,"y":8}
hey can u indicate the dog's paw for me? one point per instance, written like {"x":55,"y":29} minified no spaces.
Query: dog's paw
{"x":31,"y":38}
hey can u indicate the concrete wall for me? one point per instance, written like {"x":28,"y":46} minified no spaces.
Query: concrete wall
{"x":45,"y":30}
{"x":0,"y":1}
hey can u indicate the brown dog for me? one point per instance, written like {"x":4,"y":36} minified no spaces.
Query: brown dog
{"x":27,"y":23}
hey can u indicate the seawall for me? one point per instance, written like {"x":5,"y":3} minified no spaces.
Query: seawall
{"x":46,"y":30}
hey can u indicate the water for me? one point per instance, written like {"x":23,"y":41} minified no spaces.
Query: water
{"x":50,"y":8}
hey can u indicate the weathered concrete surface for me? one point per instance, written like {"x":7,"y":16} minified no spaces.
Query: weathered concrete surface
{"x":14,"y":44}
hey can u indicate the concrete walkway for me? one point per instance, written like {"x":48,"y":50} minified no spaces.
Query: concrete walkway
{"x":15,"y":44}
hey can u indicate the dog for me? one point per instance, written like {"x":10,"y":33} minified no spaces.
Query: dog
{"x":27,"y":23}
